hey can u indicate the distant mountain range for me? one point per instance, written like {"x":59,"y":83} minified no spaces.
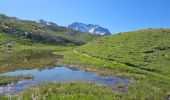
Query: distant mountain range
{"x":94,"y":29}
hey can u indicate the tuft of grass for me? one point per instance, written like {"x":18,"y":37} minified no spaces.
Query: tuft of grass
{"x":5,"y":80}
{"x":71,"y":91}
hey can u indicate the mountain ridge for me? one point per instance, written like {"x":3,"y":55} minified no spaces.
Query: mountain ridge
{"x":91,"y":28}
{"x":44,"y":32}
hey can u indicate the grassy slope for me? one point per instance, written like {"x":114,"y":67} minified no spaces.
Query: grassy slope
{"x":147,"y":50}
{"x":126,"y":55}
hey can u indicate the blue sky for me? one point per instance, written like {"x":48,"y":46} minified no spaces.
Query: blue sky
{"x":116,"y":15}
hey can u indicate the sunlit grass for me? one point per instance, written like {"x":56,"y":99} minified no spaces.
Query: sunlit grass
{"x":5,"y":80}
{"x":70,"y":91}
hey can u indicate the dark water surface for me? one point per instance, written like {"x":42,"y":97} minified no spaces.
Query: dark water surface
{"x":61,"y":74}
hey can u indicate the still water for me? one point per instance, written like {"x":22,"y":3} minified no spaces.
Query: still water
{"x":61,"y":74}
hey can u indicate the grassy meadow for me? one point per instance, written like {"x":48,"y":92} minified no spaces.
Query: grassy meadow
{"x":142,"y":56}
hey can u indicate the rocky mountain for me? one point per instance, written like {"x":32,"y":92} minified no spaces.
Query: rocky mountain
{"x":45,"y":23}
{"x":94,"y":29}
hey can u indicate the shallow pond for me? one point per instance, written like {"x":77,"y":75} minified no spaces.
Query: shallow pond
{"x":61,"y":74}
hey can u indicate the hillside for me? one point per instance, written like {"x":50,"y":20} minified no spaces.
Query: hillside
{"x":50,"y":34}
{"x":147,"y":50}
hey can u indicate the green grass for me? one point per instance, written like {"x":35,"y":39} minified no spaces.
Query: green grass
{"x":73,"y":59}
{"x":89,"y":91}
{"x":69,"y":91}
{"x":4,"y":80}
{"x":145,"y":85}
{"x":145,"y":49}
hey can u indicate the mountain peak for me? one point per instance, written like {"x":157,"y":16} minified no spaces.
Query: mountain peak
{"x":91,"y":28}
{"x":45,"y":23}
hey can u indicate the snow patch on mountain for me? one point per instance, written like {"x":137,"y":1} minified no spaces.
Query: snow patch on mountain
{"x":94,"y":29}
